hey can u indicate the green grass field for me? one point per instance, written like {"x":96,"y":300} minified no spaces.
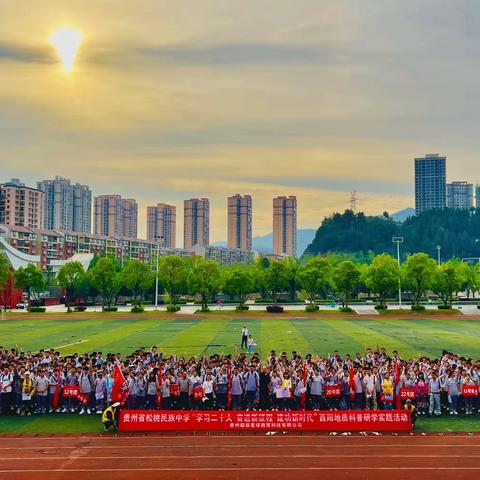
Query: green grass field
{"x":197,"y":335}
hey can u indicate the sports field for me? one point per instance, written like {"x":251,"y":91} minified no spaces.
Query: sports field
{"x":195,"y":335}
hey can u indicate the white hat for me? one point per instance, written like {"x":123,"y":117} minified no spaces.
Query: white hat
{"x":116,"y":404}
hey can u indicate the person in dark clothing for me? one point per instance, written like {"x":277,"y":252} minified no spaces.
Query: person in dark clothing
{"x":264,"y":389}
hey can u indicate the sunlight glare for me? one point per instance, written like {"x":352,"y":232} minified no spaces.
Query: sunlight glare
{"x":66,"y":41}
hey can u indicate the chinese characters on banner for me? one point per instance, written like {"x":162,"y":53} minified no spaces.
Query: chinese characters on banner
{"x":301,"y":420}
{"x":74,"y":392}
{"x":407,"y":394}
{"x":470,"y":390}
{"x":332,"y":391}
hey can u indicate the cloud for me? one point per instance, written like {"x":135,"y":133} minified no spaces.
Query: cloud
{"x":25,"y":53}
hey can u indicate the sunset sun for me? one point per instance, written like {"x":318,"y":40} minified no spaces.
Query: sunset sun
{"x":66,"y":41}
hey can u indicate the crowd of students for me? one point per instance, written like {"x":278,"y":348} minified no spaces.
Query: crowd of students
{"x":39,"y":382}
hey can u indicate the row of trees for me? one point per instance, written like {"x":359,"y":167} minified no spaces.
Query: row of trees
{"x":329,"y":277}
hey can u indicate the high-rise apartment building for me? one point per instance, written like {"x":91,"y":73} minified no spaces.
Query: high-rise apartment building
{"x":196,"y":222}
{"x":285,"y":226}
{"x":477,"y":196}
{"x":460,"y":195}
{"x":240,"y":222}
{"x":67,"y":206}
{"x":161,"y":224}
{"x":20,"y":205}
{"x":430,"y":183}
{"x":115,"y":216}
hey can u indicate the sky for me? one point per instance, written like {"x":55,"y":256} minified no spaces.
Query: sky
{"x":173,"y":99}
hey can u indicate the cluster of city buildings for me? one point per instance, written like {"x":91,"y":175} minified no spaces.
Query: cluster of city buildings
{"x":432,"y":190}
{"x":54,"y":221}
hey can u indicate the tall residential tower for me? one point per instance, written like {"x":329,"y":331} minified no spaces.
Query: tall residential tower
{"x":240,"y":222}
{"x":115,"y":216}
{"x":161,"y":224}
{"x":196,"y":222}
{"x":430,"y":183}
{"x":460,"y":195}
{"x":285,"y":226}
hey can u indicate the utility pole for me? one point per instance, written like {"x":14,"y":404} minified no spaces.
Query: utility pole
{"x":398,"y":241}
{"x":439,"y":257}
{"x":156,"y":269}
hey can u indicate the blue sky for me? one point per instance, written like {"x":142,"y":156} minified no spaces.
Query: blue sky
{"x":173,"y":99}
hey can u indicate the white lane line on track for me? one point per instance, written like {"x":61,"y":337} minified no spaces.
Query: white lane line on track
{"x":197,"y":457}
{"x":230,"y":469}
{"x":241,"y":445}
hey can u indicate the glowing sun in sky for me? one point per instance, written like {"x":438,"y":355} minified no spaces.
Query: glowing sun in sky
{"x":66,"y":41}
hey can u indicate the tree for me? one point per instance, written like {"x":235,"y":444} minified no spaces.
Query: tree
{"x":291,"y":266}
{"x":239,"y":282}
{"x":383,"y":276}
{"x":84,"y":287}
{"x":137,"y":278}
{"x":106,"y":280}
{"x":30,"y":279}
{"x":417,"y":275}
{"x":471,"y":275}
{"x":315,"y":278}
{"x":275,"y":279}
{"x":204,"y":279}
{"x":4,"y":271}
{"x":68,"y":278}
{"x":172,"y":273}
{"x":448,"y":280}
{"x":346,"y":278}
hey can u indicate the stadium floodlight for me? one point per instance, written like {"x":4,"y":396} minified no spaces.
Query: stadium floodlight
{"x":398,"y":241}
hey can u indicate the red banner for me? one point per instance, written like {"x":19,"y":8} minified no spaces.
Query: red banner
{"x":374,"y":420}
{"x":198,"y":393}
{"x":407,"y":393}
{"x":174,"y":390}
{"x":71,"y":391}
{"x":83,"y":398}
{"x":470,"y":390}
{"x":332,"y":391}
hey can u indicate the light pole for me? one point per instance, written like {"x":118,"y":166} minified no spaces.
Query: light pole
{"x":439,"y":258}
{"x":156,"y":269}
{"x":398,"y":241}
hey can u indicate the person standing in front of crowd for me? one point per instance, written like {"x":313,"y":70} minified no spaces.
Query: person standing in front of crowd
{"x":100,"y":391}
{"x":452,"y":386}
{"x":252,"y":383}
{"x":151,"y":393}
{"x":251,"y":344}
{"x":221,"y":389}
{"x":244,"y":336}
{"x":41,"y":391}
{"x":387,"y":391}
{"x":28,"y":390}
{"x":434,"y":389}
{"x":237,"y":390}
{"x":316,"y":389}
{"x":6,"y":389}
{"x":85,"y":383}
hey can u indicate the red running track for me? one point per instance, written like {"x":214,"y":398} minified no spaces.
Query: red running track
{"x":240,"y":456}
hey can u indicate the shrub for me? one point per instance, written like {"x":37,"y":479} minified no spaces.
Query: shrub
{"x":478,"y":306}
{"x":381,"y":307}
{"x":443,"y":307}
{"x":137,"y":309}
{"x":418,"y":308}
{"x":37,"y":309}
{"x":347,"y":310}
{"x":242,"y":308}
{"x":110,"y":309}
{"x":173,"y":308}
{"x":274,"y":309}
{"x":311,"y":308}
{"x":80,"y":308}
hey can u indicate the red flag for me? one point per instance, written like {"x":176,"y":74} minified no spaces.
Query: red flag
{"x":304,"y":394}
{"x":351,"y":382}
{"x":396,"y":381}
{"x":119,"y":387}
{"x":56,"y":393}
{"x":229,"y":385}
{"x":159,"y":392}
